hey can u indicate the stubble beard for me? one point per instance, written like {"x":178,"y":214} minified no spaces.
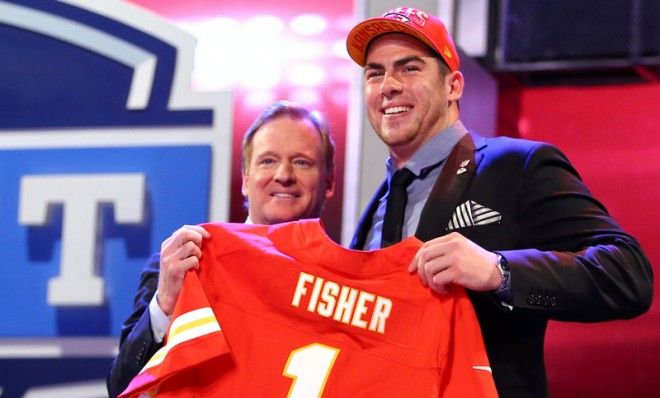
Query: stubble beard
{"x":396,"y":135}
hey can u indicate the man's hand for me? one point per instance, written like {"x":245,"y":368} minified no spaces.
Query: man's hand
{"x":178,"y":253}
{"x":454,"y":259}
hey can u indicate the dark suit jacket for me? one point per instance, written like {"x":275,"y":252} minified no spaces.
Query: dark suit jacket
{"x":136,"y":344}
{"x":569,"y":259}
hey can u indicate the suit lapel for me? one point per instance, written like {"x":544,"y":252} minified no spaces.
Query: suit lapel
{"x":447,"y":190}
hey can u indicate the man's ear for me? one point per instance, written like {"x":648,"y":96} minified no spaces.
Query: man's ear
{"x":329,"y":185}
{"x":244,"y":183}
{"x":456,"y":84}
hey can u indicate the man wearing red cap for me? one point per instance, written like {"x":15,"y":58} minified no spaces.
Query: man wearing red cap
{"x":508,"y":219}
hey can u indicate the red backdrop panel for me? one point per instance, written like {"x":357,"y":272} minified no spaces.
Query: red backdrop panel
{"x":610,"y":133}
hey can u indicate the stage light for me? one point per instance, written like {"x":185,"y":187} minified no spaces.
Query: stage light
{"x":309,"y":49}
{"x":306,"y":75}
{"x":264,"y":25}
{"x":308,"y":24}
{"x":215,"y":68}
{"x":338,"y":49}
{"x":309,"y":97}
{"x":259,"y":99}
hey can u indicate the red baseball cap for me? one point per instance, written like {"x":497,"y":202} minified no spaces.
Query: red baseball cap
{"x":427,"y":28}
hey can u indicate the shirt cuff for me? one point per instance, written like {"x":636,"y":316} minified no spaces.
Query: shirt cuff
{"x":160,"y":322}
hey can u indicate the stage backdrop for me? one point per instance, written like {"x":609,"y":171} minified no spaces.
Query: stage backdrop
{"x":109,"y":142}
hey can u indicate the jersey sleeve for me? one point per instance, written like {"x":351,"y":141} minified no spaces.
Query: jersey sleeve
{"x":194,"y":337}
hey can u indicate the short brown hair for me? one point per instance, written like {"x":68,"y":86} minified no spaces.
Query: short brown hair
{"x":296,"y":112}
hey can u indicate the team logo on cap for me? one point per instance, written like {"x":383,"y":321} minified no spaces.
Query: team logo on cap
{"x":407,"y":15}
{"x":397,"y":17}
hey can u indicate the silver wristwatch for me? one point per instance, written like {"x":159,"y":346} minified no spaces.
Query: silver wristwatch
{"x":505,"y":271}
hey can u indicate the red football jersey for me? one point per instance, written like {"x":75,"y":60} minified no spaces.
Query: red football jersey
{"x":283,"y":311}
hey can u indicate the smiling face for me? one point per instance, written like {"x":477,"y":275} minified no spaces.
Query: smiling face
{"x":408,"y":97}
{"x":286,"y":177}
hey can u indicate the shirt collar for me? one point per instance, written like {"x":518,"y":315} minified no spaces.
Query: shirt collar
{"x":432,"y":152}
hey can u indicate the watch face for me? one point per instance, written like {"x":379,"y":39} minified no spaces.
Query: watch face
{"x":504,"y":263}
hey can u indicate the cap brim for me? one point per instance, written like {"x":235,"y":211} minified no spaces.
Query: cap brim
{"x":363,"y":33}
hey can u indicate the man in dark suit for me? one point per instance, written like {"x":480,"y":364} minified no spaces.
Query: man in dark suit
{"x":288,"y":173}
{"x":508,"y":219}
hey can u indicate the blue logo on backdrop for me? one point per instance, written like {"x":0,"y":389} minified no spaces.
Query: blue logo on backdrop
{"x":104,"y":151}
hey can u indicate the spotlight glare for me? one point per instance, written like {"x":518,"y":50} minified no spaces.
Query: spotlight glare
{"x":306,"y":75}
{"x":308,"y":24}
{"x":263,"y":25}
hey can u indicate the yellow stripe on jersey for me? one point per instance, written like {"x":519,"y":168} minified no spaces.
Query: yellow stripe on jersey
{"x":185,"y":327}
{"x":191,"y":325}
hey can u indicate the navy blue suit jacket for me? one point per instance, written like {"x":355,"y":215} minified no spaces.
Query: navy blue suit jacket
{"x":136,"y":344}
{"x":569,"y":259}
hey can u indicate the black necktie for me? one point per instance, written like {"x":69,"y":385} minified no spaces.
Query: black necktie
{"x":396,"y":206}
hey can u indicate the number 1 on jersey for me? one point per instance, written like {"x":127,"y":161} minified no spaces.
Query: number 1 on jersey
{"x":309,"y":367}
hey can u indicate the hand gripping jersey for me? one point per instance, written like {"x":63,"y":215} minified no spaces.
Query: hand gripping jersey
{"x":282,"y":311}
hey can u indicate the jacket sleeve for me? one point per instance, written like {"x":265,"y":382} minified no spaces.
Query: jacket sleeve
{"x":193,"y":339}
{"x":573,"y":262}
{"x":136,"y":344}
